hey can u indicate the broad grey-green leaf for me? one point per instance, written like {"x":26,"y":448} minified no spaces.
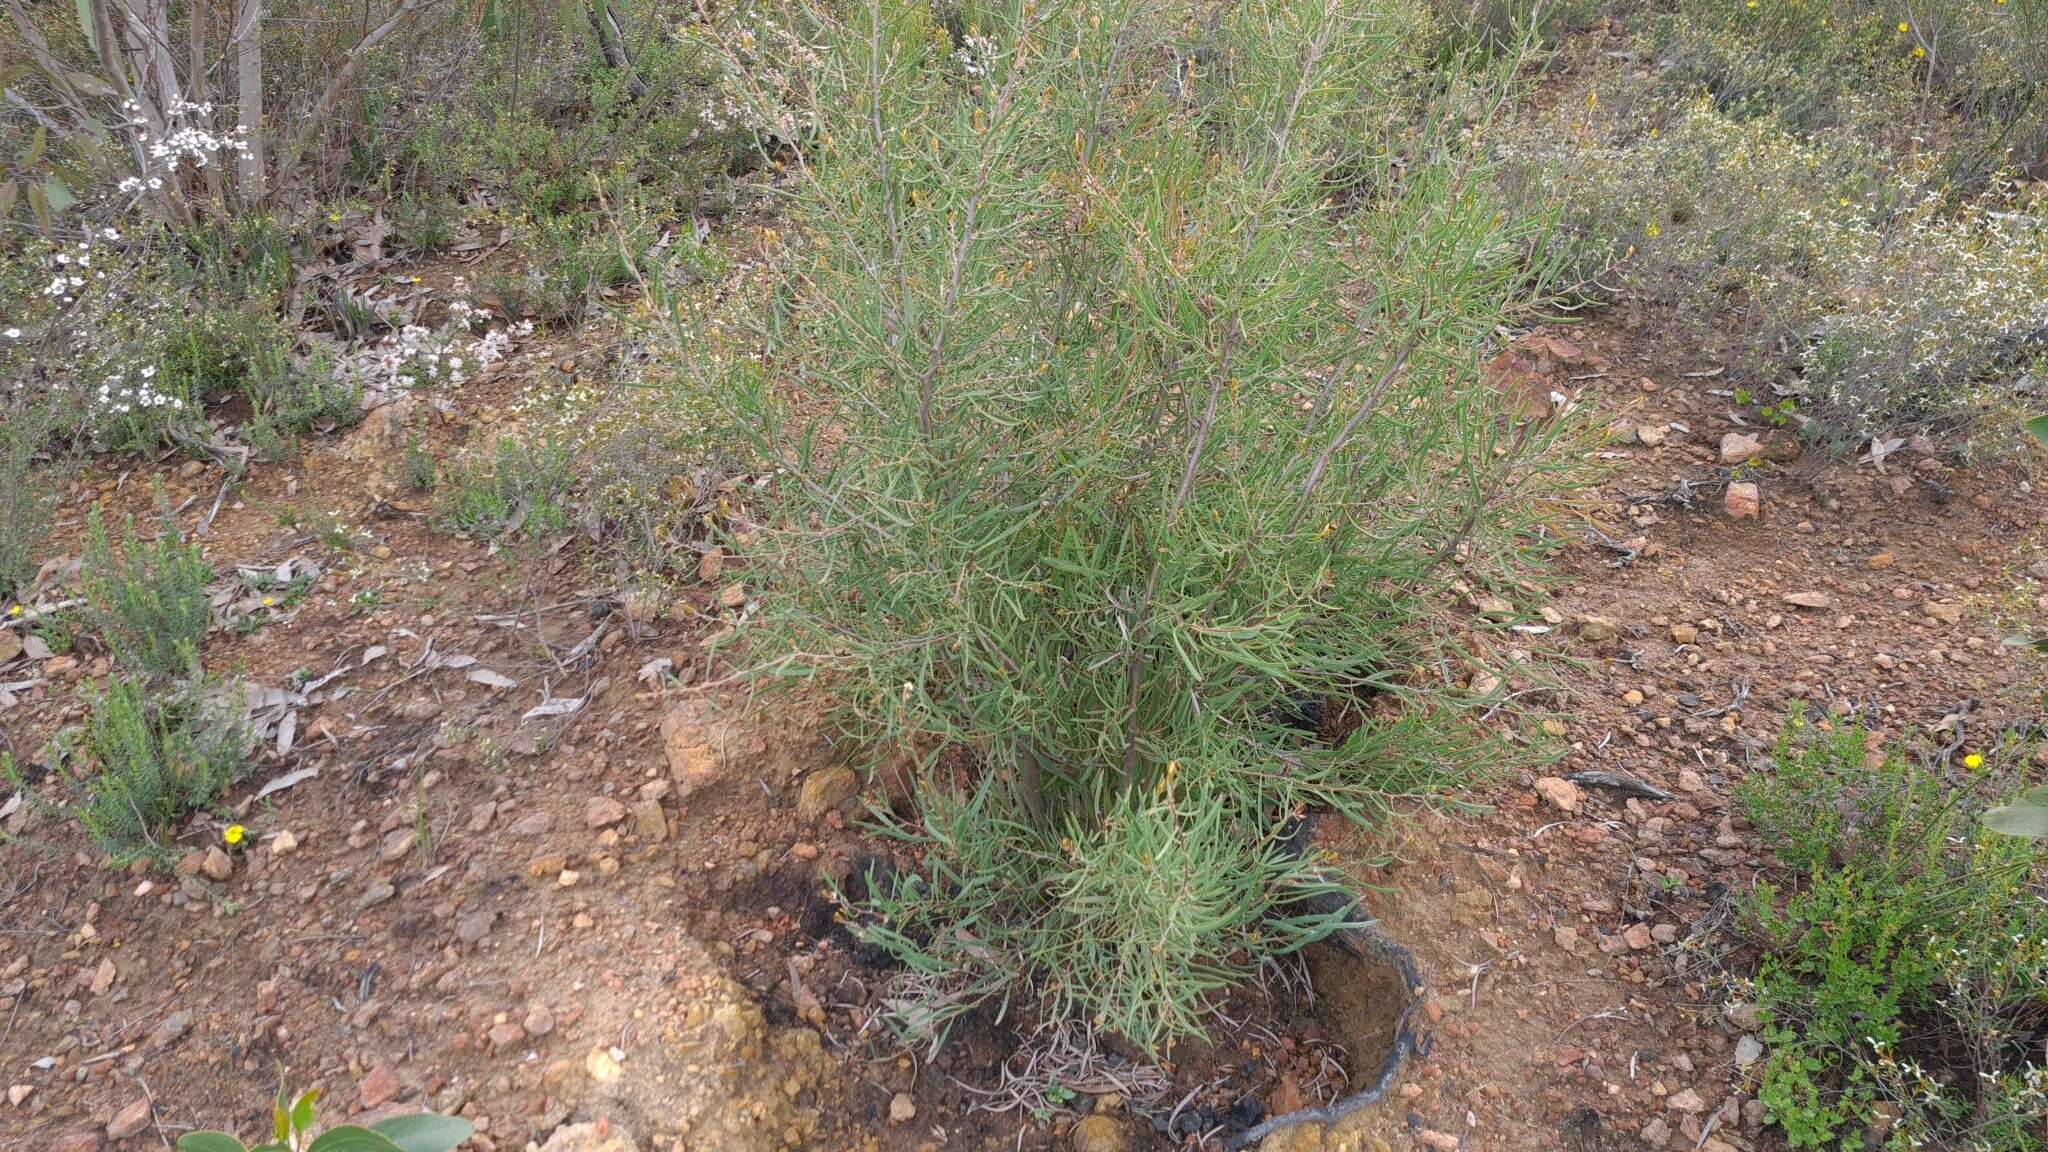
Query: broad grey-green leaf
{"x":424,"y":1131}
{"x":2027,"y":820}
{"x":351,"y":1138}
{"x":209,"y":1142}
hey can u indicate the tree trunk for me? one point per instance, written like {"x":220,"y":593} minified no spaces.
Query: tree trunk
{"x":247,"y":49}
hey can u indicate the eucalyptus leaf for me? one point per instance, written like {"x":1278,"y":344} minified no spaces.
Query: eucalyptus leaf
{"x":2038,"y":429}
{"x":2026,"y":820}
{"x":424,"y":1131}
{"x":352,"y":1138}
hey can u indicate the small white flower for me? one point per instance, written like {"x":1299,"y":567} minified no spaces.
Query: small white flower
{"x":14,"y":333}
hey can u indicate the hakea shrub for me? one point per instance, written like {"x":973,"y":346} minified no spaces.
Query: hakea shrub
{"x":1124,"y":393}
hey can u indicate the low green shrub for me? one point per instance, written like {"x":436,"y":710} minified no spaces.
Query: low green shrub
{"x":1102,"y":468}
{"x":1905,"y":950}
{"x":27,"y":500}
{"x":148,"y":600}
{"x":157,"y":757}
{"x":1852,"y":282}
{"x":1975,"y":70}
{"x":522,"y":485}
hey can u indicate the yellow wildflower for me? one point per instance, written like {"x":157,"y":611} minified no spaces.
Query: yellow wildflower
{"x":233,"y":834}
{"x":1973,"y":761}
{"x":1905,"y":27}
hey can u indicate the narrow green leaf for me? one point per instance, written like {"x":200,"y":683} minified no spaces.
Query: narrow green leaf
{"x":209,"y":1142}
{"x":85,"y":22}
{"x":425,"y":1131}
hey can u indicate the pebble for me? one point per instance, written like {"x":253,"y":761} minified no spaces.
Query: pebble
{"x":539,"y":1021}
{"x":375,"y":894}
{"x":649,"y":822}
{"x":1686,"y":1100}
{"x":1743,"y":501}
{"x":380,"y":1086}
{"x":130,"y":1120}
{"x":284,"y":843}
{"x":16,"y":1093}
{"x":1566,"y":795}
{"x":167,"y":1033}
{"x":902,"y":1109}
{"x":216,"y":865}
{"x":602,"y":812}
{"x":1740,"y":448}
{"x":1815,"y":600}
{"x":825,"y":790}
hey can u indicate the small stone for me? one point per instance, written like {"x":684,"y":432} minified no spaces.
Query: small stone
{"x":1637,"y":936}
{"x":824,"y":791}
{"x":568,"y":878}
{"x":397,"y":843}
{"x":1740,"y":448}
{"x":1562,"y":793}
{"x":1743,"y":501}
{"x":1100,"y":1132}
{"x":1687,"y":1101}
{"x":503,"y":1036}
{"x":1657,"y":1133}
{"x":539,"y":1021}
{"x":602,"y":1066}
{"x":1552,"y":726}
{"x":711,"y":565}
{"x":1945,"y":611}
{"x":380,"y":1087}
{"x":216,"y":864}
{"x":1818,"y":601}
{"x":733,"y":596}
{"x":1652,"y":435}
{"x":1632,"y":696}
{"x":649,"y":821}
{"x":1684,"y":634}
{"x":284,"y":843}
{"x":16,"y":1093}
{"x":167,"y":1033}
{"x":374,"y":895}
{"x":601,"y":1136}
{"x":103,"y":977}
{"x":1598,"y":628}
{"x":1495,"y":608}
{"x":602,"y":812}
{"x":1441,"y":1141}
{"x":1567,"y":937}
{"x":1664,"y":933}
{"x":1748,"y":1050}
{"x":129,"y":1121}
{"x":902,"y":1109}
{"x":473,"y":927}
{"x":1881,"y":560}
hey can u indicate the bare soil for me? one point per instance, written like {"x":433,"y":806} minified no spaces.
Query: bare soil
{"x":615,"y":916}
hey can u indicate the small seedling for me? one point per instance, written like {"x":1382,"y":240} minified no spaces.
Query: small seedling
{"x":292,"y":1131}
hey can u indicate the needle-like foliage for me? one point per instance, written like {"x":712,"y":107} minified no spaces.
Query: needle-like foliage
{"x":1137,"y":348}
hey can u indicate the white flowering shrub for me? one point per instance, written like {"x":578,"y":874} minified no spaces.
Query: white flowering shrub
{"x":414,"y":356}
{"x":1859,"y":285}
